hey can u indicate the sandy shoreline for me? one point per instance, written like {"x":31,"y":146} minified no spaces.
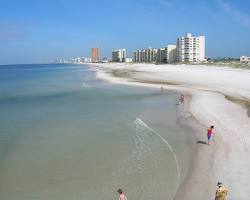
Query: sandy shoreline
{"x":227,"y":159}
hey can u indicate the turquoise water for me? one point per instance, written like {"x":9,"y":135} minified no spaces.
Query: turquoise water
{"x":66,"y":135}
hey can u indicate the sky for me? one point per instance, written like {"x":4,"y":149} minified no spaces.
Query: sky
{"x":39,"y":31}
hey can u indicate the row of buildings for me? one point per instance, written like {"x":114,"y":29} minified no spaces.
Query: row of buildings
{"x":163,"y":55}
{"x":187,"y":49}
{"x":95,"y":58}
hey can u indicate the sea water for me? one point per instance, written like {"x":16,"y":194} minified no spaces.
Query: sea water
{"x":65,"y":135}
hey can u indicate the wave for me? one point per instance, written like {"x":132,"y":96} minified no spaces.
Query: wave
{"x":139,"y":137}
{"x":84,"y":85}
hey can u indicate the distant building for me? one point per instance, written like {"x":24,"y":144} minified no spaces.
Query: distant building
{"x":171,"y":53}
{"x":161,"y":56}
{"x":60,"y":61}
{"x":76,"y":60}
{"x":106,"y":60}
{"x":119,"y":55}
{"x":190,"y":49}
{"x":145,"y":55}
{"x":245,"y":59}
{"x":80,"y":60}
{"x":95,"y":55}
{"x":85,"y":60}
{"x":166,"y":54}
{"x":129,"y":60}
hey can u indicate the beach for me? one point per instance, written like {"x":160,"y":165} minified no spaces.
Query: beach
{"x":216,"y":96}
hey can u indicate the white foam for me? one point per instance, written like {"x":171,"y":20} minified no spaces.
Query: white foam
{"x":84,"y":85}
{"x":139,"y":121}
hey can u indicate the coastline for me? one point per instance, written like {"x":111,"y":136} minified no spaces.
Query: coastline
{"x":207,"y":88}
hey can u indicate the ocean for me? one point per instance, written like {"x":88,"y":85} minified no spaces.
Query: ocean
{"x":65,"y":135}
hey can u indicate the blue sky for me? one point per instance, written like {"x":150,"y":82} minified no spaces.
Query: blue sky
{"x":40,"y":31}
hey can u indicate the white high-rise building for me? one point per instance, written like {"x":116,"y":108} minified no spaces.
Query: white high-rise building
{"x":190,"y":49}
{"x":119,"y":55}
{"x":171,"y":53}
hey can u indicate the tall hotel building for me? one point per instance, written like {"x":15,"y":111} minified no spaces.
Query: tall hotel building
{"x":119,"y":55}
{"x":95,"y":55}
{"x":190,"y":49}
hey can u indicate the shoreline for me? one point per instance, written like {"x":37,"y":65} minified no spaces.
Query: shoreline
{"x":208,"y":89}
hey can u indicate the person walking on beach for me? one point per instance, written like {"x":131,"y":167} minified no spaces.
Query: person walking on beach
{"x":209,"y":134}
{"x":122,"y":196}
{"x":221,"y":192}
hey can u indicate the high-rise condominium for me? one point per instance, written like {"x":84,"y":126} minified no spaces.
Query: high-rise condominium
{"x":95,"y":55}
{"x":119,"y":55}
{"x":190,"y":49}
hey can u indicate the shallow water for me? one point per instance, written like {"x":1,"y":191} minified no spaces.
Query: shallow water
{"x":245,"y":104}
{"x":66,"y":135}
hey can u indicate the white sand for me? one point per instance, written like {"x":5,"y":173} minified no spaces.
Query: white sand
{"x":227,"y":159}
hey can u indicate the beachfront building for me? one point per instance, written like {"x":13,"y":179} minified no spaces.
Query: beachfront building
{"x":161,"y":56}
{"x":190,"y":49}
{"x":86,"y":59}
{"x":245,"y":59}
{"x":145,"y":55}
{"x":105,"y":60}
{"x":60,"y":61}
{"x":95,"y":55}
{"x":79,"y":60}
{"x":166,"y":54}
{"x":76,"y":60}
{"x":119,"y":55}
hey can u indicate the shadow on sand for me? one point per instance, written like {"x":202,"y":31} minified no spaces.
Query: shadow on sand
{"x":201,"y":142}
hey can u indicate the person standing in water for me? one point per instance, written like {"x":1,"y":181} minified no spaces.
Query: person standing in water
{"x":221,"y":192}
{"x":162,"y":89}
{"x":122,"y":196}
{"x":209,"y":134}
{"x":182,"y":99}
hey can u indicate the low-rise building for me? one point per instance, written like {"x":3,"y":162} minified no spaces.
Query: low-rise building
{"x":105,"y":60}
{"x":129,"y":60}
{"x":245,"y":59}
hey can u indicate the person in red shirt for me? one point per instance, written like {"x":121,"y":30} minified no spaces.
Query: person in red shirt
{"x":209,"y":134}
{"x":122,"y":196}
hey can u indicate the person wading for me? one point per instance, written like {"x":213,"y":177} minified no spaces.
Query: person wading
{"x":122,"y":196}
{"x":221,"y":192}
{"x":182,"y":98}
